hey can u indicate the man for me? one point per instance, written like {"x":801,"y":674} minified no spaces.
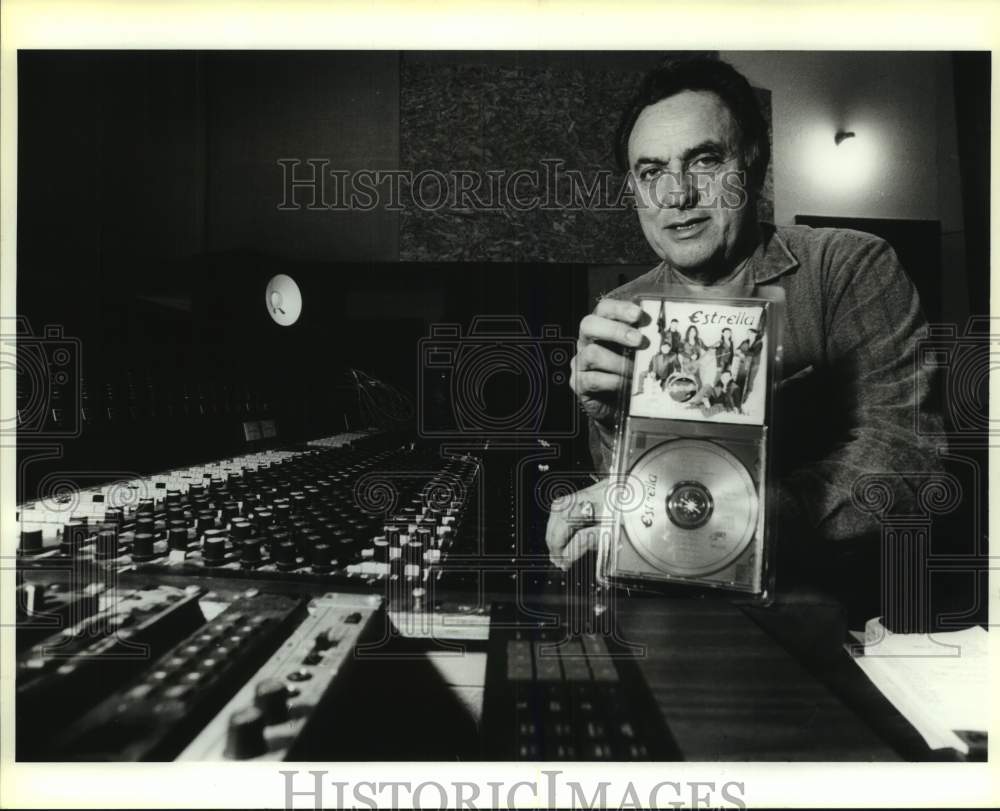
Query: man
{"x":726,"y":393}
{"x":662,"y":363}
{"x":673,"y":337}
{"x":749,"y":354}
{"x":724,"y":351}
{"x":696,"y":149}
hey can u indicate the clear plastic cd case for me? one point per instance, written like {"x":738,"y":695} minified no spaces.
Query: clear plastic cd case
{"x":689,"y":495}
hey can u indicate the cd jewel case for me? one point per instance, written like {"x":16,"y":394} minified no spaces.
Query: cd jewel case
{"x":689,"y":493}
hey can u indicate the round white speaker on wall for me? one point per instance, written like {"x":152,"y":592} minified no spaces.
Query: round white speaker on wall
{"x":283,"y":300}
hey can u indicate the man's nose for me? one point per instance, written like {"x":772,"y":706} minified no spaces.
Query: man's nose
{"x":681,"y":190}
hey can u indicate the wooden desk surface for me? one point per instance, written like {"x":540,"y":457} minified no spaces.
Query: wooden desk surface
{"x":729,"y":691}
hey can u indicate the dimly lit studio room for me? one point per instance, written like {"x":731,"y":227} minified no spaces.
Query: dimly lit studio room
{"x":501,"y":406}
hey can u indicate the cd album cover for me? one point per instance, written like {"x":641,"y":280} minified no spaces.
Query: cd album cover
{"x":701,"y":361}
{"x":692,"y":445}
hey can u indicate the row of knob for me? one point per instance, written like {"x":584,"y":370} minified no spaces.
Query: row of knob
{"x":286,"y":528}
{"x":263,"y":470}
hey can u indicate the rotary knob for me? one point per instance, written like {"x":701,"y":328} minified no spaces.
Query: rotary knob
{"x":205,"y":521}
{"x":246,"y":734}
{"x":284,"y":554}
{"x":73,"y":537}
{"x":213,"y":547}
{"x":107,"y":544}
{"x":230,"y":510}
{"x":31,"y":542}
{"x":250,"y":553}
{"x":271,"y":698}
{"x":322,"y":558}
{"x":142,"y":547}
{"x":282,"y":512}
{"x":240,"y":530}
{"x":177,"y":538}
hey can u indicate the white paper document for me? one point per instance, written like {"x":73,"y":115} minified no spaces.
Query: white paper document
{"x":938,"y":682}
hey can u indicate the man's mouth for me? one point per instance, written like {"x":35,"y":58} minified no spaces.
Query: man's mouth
{"x":687,"y":229}
{"x":685,"y":226}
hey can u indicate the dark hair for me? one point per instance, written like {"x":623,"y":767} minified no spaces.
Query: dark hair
{"x":713,"y":75}
{"x":687,"y":332}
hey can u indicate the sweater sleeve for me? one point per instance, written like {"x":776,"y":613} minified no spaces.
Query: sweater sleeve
{"x":889,"y":403}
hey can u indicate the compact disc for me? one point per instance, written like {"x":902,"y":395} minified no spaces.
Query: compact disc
{"x":698,"y":510}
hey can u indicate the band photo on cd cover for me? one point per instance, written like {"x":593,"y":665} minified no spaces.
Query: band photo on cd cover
{"x":373,"y":406}
{"x":703,"y":360}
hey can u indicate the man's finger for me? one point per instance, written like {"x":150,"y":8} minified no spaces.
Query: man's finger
{"x":582,"y":541}
{"x":566,"y":516}
{"x":619,"y":310}
{"x":597,"y":328}
{"x":557,"y":533}
{"x":595,"y":357}
{"x":589,"y":383}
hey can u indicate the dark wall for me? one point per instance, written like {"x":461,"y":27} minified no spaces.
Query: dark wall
{"x":134,"y":166}
{"x":132,"y":163}
{"x":111,"y":183}
{"x":135,"y":169}
{"x":149,"y":223}
{"x":340,"y":107}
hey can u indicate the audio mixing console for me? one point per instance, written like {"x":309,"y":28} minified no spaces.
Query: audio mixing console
{"x":336,"y":510}
{"x":215,"y":612}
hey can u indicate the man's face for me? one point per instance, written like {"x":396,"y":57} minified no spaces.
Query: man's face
{"x":674,"y":327}
{"x":684,"y":153}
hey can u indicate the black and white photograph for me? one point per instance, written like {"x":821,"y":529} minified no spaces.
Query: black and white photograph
{"x":410,"y":407}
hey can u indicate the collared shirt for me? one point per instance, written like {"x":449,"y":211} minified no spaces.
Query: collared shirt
{"x":855,"y":408}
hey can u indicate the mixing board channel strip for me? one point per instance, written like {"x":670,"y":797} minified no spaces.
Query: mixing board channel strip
{"x":44,"y":609}
{"x":154,"y":716}
{"x":69,"y":672}
{"x":271,"y":712}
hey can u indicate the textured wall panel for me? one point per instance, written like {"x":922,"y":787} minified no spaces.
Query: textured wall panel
{"x":484,"y":118}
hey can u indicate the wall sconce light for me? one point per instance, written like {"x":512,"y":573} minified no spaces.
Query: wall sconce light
{"x":842,"y":136}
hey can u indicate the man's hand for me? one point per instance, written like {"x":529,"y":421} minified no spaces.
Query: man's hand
{"x":598,"y":367}
{"x":573,"y":524}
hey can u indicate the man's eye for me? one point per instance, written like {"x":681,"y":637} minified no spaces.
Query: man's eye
{"x":706,"y":162}
{"x":650,"y":173}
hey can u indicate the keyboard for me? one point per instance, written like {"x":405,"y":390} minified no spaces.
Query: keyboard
{"x":552,"y":695}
